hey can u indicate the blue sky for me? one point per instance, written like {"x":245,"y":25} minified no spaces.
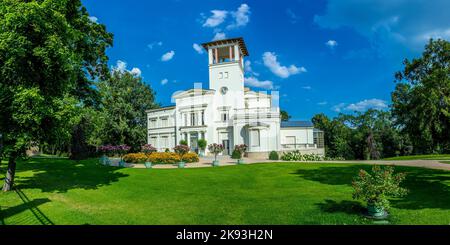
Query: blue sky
{"x":325,"y":56}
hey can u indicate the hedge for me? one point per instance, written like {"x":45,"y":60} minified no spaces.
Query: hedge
{"x":160,"y":157}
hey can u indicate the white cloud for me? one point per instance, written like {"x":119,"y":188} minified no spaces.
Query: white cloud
{"x":217,"y":18}
{"x":164,"y":81}
{"x":198,"y":48}
{"x":367,"y":104}
{"x":93,"y":19}
{"x":219,"y":36}
{"x":293,"y":17}
{"x":168,"y":56}
{"x":254,"y":82}
{"x":241,"y":17}
{"x":331,"y":43}
{"x":270,"y":61}
{"x":306,"y":87}
{"x":322,"y":103}
{"x":153,"y":44}
{"x":121,"y":66}
{"x":362,"y":106}
{"x":249,"y":69}
{"x":339,"y":107}
{"x":136,"y":71}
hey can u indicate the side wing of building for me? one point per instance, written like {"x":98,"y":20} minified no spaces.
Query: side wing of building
{"x":161,"y":128}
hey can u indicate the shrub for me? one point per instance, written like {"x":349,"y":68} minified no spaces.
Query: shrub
{"x":202,"y":144}
{"x":298,"y":156}
{"x":163,"y":158}
{"x":273,"y":155}
{"x":376,"y":187}
{"x":148,"y":148}
{"x":167,"y":150}
{"x":135,"y":157}
{"x":183,"y":142}
{"x":190,"y":157}
{"x":241,"y":148}
{"x":236,"y":154}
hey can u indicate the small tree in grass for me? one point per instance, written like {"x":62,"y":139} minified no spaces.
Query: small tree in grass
{"x":215,"y":149}
{"x":376,"y":187}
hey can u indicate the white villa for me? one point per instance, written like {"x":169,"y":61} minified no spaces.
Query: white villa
{"x":229,"y":113}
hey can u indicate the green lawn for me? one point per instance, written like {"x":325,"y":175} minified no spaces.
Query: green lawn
{"x":59,"y":191}
{"x":421,"y":157}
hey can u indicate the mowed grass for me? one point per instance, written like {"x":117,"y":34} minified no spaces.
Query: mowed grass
{"x":421,"y":157}
{"x":59,"y":191}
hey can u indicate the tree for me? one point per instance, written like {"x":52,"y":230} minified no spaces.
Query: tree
{"x":49,"y":51}
{"x":284,"y":116}
{"x":125,"y":99}
{"x":421,"y":99}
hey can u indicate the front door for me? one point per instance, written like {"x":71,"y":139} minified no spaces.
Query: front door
{"x":194,"y":142}
{"x":226,"y":147}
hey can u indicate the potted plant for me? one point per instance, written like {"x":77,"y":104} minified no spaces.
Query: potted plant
{"x":376,"y":187}
{"x":241,"y":149}
{"x":148,"y":149}
{"x":122,"y":150}
{"x":215,"y":149}
{"x":202,"y":145}
{"x":181,"y":150}
{"x":107,"y":151}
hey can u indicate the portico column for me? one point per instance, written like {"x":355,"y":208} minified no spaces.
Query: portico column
{"x":189,"y":139}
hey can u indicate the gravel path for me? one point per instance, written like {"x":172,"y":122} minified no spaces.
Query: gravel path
{"x":227,"y":161}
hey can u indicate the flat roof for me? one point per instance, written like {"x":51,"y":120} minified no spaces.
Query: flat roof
{"x":297,"y":124}
{"x":240,"y":40}
{"x":161,"y":108}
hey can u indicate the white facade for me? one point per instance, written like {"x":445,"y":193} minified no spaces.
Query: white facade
{"x":227,"y":113}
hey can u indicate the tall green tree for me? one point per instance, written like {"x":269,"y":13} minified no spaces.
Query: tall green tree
{"x":49,"y":51}
{"x":125,"y":99}
{"x":284,"y":116}
{"x":421,"y":99}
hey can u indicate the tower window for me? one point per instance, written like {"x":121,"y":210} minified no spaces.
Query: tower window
{"x":220,"y":75}
{"x":226,"y":75}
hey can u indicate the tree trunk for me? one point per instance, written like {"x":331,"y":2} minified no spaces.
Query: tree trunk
{"x":9,"y":179}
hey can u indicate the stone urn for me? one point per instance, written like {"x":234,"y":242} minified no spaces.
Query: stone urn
{"x":215,"y":163}
{"x":181,"y":164}
{"x":240,"y":161}
{"x":148,"y":165}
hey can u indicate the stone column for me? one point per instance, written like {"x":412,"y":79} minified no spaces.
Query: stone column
{"x":210,"y":56}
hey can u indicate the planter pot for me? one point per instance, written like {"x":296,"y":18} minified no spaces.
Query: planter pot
{"x":374,"y":212}
{"x":181,"y":164}
{"x":215,"y":163}
{"x":148,"y":165}
{"x":121,"y":163}
{"x":107,"y":161}
{"x":240,"y":161}
{"x":103,"y":160}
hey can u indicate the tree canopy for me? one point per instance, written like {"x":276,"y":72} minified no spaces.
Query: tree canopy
{"x":50,"y":55}
{"x":421,"y":99}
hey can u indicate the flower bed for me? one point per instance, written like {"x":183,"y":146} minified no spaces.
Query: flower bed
{"x":160,"y":157}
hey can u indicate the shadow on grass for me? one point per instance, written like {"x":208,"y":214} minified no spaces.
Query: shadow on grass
{"x":348,"y":207}
{"x":61,"y":175}
{"x":428,"y":188}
